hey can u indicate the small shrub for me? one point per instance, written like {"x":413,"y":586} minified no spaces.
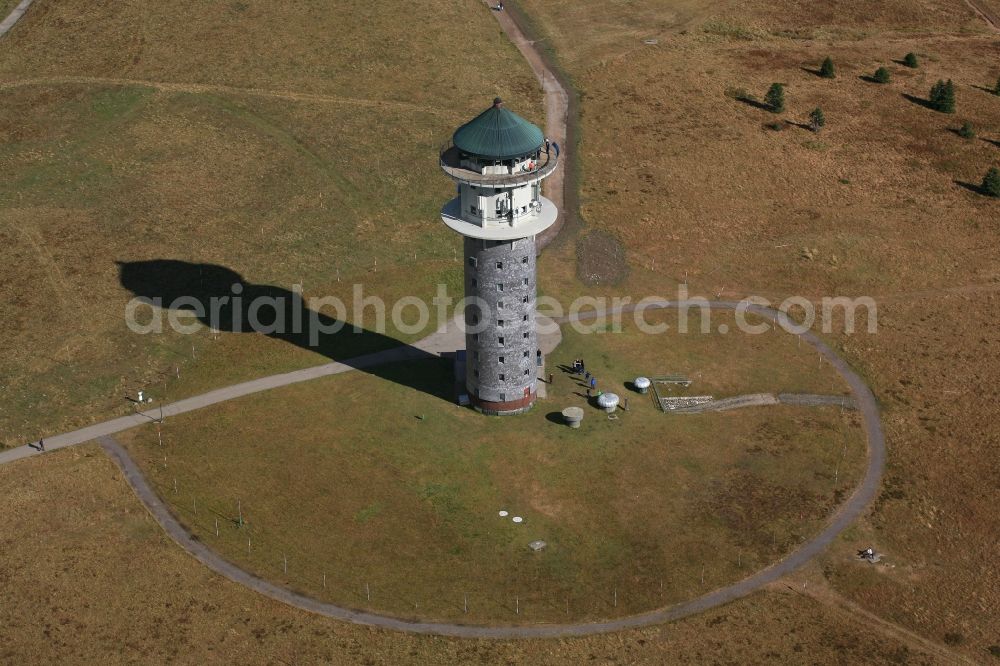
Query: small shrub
{"x":991,"y":182}
{"x":953,"y":638}
{"x":966,"y":131}
{"x":775,"y":98}
{"x":826,"y":69}
{"x":775,"y":125}
{"x":910,"y":60}
{"x":882,"y":75}
{"x":816,"y":119}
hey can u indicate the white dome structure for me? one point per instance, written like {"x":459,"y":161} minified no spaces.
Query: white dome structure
{"x":608,"y":402}
{"x":641,"y":384}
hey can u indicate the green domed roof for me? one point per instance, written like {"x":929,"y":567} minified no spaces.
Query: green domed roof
{"x":499,"y":134}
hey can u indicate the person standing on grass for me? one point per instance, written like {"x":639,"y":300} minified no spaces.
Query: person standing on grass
{"x":546,"y":145}
{"x":550,"y":379}
{"x":593,"y":382}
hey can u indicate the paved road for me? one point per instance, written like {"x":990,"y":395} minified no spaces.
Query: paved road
{"x":845,"y":515}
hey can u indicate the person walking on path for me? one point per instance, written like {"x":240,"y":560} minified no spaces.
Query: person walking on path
{"x":41,"y":444}
{"x":550,"y":379}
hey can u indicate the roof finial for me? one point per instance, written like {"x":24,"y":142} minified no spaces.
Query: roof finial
{"x":497,"y":102}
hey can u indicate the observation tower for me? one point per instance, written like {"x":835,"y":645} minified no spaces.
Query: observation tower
{"x":499,"y":159}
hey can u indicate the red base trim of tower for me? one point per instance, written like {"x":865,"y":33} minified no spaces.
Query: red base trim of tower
{"x":503,"y":408}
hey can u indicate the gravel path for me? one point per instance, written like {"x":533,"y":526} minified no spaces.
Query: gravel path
{"x":14,"y":16}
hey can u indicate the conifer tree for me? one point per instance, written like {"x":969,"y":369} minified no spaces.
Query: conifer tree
{"x":826,"y":69}
{"x":775,"y":98}
{"x":816,"y":119}
{"x":882,"y":75}
{"x":991,"y":182}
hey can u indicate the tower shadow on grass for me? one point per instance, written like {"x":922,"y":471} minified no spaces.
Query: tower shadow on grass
{"x":992,"y":142}
{"x":207,"y":292}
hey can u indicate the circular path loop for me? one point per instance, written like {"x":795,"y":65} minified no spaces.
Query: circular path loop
{"x":845,"y":515}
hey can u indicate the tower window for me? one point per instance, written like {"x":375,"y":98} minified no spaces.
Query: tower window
{"x":473,"y":262}
{"x":525,"y":335}
{"x":500,"y":286}
{"x":524,"y":260}
{"x":526,"y":373}
{"x":500,"y":359}
{"x":500,"y":322}
{"x":525,"y":281}
{"x":500,"y":340}
{"x":473,"y":210}
{"x":525,"y":354}
{"x":500,"y":264}
{"x":525,"y":317}
{"x":499,"y":304}
{"x":501,"y":376}
{"x":523,"y":300}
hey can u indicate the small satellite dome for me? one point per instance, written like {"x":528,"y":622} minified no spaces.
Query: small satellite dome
{"x":641,"y":384}
{"x":518,"y":519}
{"x":607,"y":401}
{"x":503,"y":514}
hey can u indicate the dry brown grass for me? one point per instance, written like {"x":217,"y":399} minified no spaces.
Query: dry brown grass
{"x":98,"y":581}
{"x":687,"y":177}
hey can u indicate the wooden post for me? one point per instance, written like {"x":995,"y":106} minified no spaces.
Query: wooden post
{"x":517,"y":605}
{"x":368,"y":592}
{"x":285,"y":558}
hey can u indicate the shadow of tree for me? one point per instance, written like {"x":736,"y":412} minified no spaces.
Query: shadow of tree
{"x":972,"y":187}
{"x":992,"y":142}
{"x":919,"y":101}
{"x":223,"y":300}
{"x":754,"y":103}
